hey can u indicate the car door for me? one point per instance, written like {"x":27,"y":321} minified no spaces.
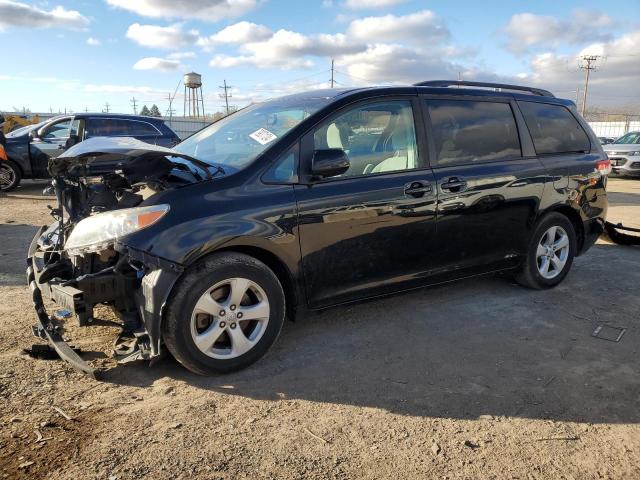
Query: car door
{"x":368,"y":231}
{"x":489,"y":182}
{"x":53,"y":140}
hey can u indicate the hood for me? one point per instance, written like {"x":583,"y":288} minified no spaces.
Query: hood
{"x":136,"y":160}
{"x":18,"y":140}
{"x":106,"y":173}
{"x":621,"y":147}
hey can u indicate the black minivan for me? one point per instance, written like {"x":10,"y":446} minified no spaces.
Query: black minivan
{"x":310,"y":201}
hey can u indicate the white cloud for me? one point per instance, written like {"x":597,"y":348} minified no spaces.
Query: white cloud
{"x":616,"y":82}
{"x":287,"y":50}
{"x":394,"y":63}
{"x":154,"y":36}
{"x":93,"y":42}
{"x":527,"y":30}
{"x":420,"y":27}
{"x":128,"y":89}
{"x":155,"y":63}
{"x":205,"y":10}
{"x":368,"y":4}
{"x":181,"y":55}
{"x":16,"y":14}
{"x":238,"y":33}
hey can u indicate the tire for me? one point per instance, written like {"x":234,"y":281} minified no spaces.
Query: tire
{"x":10,"y":175}
{"x":532,"y":273}
{"x":202,"y":310}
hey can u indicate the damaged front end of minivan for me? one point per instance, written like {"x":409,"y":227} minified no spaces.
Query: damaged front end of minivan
{"x":105,"y":191}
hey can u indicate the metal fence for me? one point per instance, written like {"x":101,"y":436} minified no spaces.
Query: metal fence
{"x":613,"y":125}
{"x":185,"y":126}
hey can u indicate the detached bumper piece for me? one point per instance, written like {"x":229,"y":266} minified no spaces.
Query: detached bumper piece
{"x":137,"y":294}
{"x":47,"y":330}
{"x":616,"y":234}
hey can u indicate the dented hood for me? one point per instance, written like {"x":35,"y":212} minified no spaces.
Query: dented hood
{"x":141,"y":160}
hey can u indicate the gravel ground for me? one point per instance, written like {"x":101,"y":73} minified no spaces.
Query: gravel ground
{"x":478,"y":379}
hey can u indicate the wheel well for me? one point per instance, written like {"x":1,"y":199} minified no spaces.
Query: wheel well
{"x":575,"y":220}
{"x":279,"y":269}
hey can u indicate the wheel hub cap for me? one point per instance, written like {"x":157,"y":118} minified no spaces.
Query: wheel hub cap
{"x":230,"y":318}
{"x":552,"y":252}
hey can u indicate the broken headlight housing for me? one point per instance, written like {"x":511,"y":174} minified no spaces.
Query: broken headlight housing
{"x":99,"y":231}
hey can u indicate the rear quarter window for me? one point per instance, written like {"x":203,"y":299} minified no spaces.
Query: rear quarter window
{"x":467,"y":131}
{"x":554,"y":129}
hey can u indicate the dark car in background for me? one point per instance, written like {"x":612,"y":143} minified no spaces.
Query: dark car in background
{"x":311,"y":201}
{"x":30,"y":148}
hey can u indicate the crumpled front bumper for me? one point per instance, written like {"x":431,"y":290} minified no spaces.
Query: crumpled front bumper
{"x":143,"y":298}
{"x":46,"y":328}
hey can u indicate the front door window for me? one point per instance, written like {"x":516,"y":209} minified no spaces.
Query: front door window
{"x":378,"y":137}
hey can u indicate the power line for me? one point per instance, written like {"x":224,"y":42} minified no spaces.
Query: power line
{"x":226,"y":95}
{"x":106,"y":107}
{"x":588,"y":64}
{"x":135,"y":105}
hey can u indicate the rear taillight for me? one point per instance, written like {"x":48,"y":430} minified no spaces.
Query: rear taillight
{"x":604,"y":166}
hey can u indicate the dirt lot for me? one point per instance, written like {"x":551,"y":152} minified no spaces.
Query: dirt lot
{"x":480,"y":379}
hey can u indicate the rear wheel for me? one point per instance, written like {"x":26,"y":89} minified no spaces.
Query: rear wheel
{"x":225,"y":314}
{"x":10,"y":175}
{"x":550,"y":253}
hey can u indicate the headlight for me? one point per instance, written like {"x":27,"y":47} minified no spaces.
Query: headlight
{"x":99,"y":231}
{"x":634,"y":154}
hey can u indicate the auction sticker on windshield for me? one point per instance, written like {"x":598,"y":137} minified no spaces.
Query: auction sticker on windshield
{"x":263,"y":136}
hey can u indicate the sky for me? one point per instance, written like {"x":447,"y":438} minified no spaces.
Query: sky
{"x":78,"y":55}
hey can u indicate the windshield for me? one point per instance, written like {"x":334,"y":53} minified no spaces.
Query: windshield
{"x":235,"y":141}
{"x":22,"y":130}
{"x":629,"y":139}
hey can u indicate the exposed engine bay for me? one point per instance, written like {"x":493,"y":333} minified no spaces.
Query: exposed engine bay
{"x":103,"y":189}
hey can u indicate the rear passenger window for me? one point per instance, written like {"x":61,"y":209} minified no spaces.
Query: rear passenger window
{"x":140,"y":128}
{"x":467,"y":131}
{"x":554,"y":129}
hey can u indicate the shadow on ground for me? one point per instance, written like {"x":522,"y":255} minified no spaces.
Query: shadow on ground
{"x":477,"y":347}
{"x":14,"y":243}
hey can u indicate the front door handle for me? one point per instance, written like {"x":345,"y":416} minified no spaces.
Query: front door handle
{"x":418,"y":188}
{"x":453,"y":185}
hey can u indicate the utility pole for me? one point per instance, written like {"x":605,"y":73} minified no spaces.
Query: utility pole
{"x":226,"y":95}
{"x":106,"y":107}
{"x":170,"y":109}
{"x":135,"y":105}
{"x":332,"y":81}
{"x":588,"y":64}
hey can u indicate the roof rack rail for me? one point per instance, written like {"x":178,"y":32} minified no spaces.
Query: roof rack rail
{"x":504,"y":86}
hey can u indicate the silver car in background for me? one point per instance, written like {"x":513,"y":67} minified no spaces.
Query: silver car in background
{"x":624,"y":154}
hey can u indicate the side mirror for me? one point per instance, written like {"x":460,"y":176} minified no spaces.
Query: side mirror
{"x":329,"y":163}
{"x":71,"y":141}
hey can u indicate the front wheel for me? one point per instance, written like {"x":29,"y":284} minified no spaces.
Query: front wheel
{"x":550,"y":253}
{"x":224,"y":315}
{"x":10,"y":175}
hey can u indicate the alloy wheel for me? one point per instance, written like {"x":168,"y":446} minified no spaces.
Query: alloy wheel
{"x":7,"y":176}
{"x":552,"y":252}
{"x":230,"y":318}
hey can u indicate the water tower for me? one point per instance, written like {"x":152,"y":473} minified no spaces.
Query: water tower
{"x":193,"y":99}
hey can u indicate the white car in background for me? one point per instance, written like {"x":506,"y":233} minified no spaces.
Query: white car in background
{"x":624,"y":154}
